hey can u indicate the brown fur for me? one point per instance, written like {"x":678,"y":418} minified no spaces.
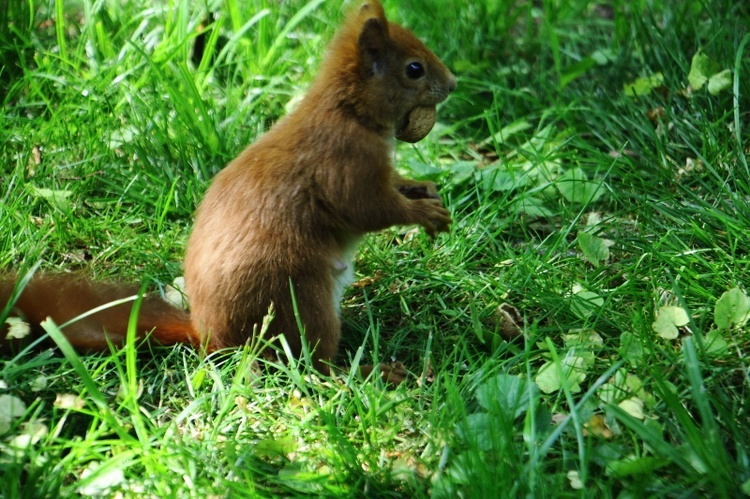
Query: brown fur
{"x":286,"y":214}
{"x":64,"y":297}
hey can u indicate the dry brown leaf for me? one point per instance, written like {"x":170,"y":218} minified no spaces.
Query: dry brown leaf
{"x":509,"y":320}
{"x":597,"y":426}
{"x":655,"y":115}
{"x":69,"y":401}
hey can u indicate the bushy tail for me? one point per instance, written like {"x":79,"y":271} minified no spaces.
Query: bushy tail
{"x":63,"y":297}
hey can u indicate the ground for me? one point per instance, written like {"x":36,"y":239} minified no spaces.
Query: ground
{"x":581,"y":331}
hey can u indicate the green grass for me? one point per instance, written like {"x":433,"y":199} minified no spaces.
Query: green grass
{"x":588,"y":210}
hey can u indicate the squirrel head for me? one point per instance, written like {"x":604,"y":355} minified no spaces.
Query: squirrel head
{"x":386,"y":75}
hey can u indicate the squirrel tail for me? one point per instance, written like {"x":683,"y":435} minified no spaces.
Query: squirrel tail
{"x":64,"y":297}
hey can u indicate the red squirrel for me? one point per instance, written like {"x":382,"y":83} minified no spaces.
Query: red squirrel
{"x":281,"y":221}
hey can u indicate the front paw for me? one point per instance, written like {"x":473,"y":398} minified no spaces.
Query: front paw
{"x":435,"y":218}
{"x":419,"y":190}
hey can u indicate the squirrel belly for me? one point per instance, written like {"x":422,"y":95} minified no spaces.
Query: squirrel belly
{"x":279,"y":225}
{"x":343,"y":273}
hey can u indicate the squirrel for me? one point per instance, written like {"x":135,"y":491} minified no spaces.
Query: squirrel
{"x":280,"y":223}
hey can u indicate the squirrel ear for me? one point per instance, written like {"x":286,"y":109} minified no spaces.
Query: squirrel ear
{"x":373,"y":42}
{"x":373,"y":8}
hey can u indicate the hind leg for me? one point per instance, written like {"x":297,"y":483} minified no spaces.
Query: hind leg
{"x":322,"y":333}
{"x":318,"y":314}
{"x":319,"y":310}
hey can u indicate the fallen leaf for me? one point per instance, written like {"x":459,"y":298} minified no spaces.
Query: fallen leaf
{"x":96,"y":479}
{"x":732,"y":309}
{"x":11,"y":408}
{"x":631,"y":348}
{"x":31,"y":433}
{"x":39,"y":383}
{"x":704,"y":70}
{"x":715,"y":343}
{"x":585,"y":303}
{"x":595,"y":249}
{"x":633,"y":406}
{"x":558,"y":418}
{"x":598,"y":427}
{"x":17,"y":328}
{"x":271,"y":447}
{"x":655,"y":115}
{"x":701,"y":68}
{"x":428,"y":375}
{"x":509,"y":320}
{"x":367,"y":281}
{"x":575,"y":480}
{"x":625,"y":152}
{"x":550,"y":377}
{"x":175,"y":293}
{"x":575,"y":187}
{"x":644,"y":85}
{"x":57,"y":198}
{"x":691,"y":165}
{"x":668,"y":319}
{"x":510,"y":394}
{"x":68,"y":401}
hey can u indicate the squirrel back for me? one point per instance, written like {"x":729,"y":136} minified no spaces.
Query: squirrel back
{"x":278,"y":226}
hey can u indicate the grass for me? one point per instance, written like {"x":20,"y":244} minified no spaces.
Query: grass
{"x":615,"y":225}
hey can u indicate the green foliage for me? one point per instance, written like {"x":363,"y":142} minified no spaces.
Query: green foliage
{"x":704,"y":71}
{"x":668,"y":319}
{"x":488,"y":440}
{"x":732,"y":309}
{"x":594,"y":158}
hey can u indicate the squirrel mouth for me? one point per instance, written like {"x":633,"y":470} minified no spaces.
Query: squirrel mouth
{"x":416,"y":124}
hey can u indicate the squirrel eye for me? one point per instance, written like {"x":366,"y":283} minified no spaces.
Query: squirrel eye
{"x":414,"y":71}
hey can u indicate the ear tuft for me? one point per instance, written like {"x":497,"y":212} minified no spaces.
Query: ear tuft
{"x":371,"y":9}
